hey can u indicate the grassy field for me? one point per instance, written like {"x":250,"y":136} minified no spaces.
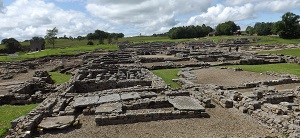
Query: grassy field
{"x":167,"y":75}
{"x":57,"y":51}
{"x":10,"y":112}
{"x":262,"y":39}
{"x":278,"y":68}
{"x":60,"y":78}
{"x":290,"y":52}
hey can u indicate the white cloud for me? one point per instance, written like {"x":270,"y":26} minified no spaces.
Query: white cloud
{"x":237,"y":10}
{"x":277,"y":5}
{"x":219,"y":13}
{"x":151,"y":15}
{"x":24,"y":19}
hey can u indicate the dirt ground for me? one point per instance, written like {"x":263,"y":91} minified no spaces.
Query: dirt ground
{"x":148,"y":65}
{"x":228,"y":77}
{"x":18,"y":79}
{"x":222,"y":123}
{"x":157,"y":56}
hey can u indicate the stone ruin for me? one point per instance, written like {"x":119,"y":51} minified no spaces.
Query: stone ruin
{"x":116,"y":88}
{"x":277,"y":109}
{"x":114,"y":93}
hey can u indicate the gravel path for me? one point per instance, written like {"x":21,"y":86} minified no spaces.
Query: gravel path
{"x":222,"y":123}
{"x":228,"y":77}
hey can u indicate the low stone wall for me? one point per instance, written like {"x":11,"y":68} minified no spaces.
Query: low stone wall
{"x":146,"y":117}
{"x":93,"y":85}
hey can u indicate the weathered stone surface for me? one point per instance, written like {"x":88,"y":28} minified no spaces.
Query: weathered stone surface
{"x":85,"y":101}
{"x":186,"y":103}
{"x":109,"y":98}
{"x":130,"y":96}
{"x":109,"y":108}
{"x":59,"y":122}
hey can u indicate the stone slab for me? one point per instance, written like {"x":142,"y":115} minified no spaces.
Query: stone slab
{"x":85,"y":101}
{"x":130,"y":96}
{"x":109,"y":98}
{"x":109,"y":108}
{"x":59,"y":122}
{"x":186,"y":103}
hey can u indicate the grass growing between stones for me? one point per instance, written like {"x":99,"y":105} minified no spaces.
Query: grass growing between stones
{"x":60,"y":78}
{"x":11,"y":112}
{"x":167,"y":75}
{"x":287,"y":52}
{"x":278,"y":68}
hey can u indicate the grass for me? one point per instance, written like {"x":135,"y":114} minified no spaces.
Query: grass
{"x":262,"y":39}
{"x":278,"y":68}
{"x":287,"y":52}
{"x":58,"y":51}
{"x":11,"y":112}
{"x":60,"y":78}
{"x":167,"y":75}
{"x":141,"y":39}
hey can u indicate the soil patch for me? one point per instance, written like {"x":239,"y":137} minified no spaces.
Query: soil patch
{"x":222,"y":123}
{"x":228,"y":77}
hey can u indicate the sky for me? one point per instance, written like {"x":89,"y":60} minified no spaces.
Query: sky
{"x":24,"y":19}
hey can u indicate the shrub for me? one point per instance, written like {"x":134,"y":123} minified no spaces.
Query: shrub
{"x":90,"y":43}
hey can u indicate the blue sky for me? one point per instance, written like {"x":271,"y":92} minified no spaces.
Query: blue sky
{"x":23,"y":19}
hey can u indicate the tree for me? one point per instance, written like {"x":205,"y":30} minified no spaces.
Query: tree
{"x":189,"y":31}
{"x":289,"y":28}
{"x":51,"y":35}
{"x":250,"y":30}
{"x":11,"y":45}
{"x":277,"y":27}
{"x":109,"y":39}
{"x":262,"y":28}
{"x":227,"y":28}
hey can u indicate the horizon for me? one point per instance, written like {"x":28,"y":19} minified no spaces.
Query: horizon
{"x":24,"y":19}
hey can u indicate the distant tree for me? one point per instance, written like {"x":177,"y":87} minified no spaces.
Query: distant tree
{"x":250,"y":30}
{"x":37,"y":38}
{"x":11,"y":45}
{"x":51,"y":36}
{"x":109,"y":39}
{"x":277,"y":27}
{"x":227,"y":28}
{"x":101,"y":41}
{"x":262,"y":28}
{"x":79,"y":38}
{"x":90,"y":43}
{"x":289,"y":27}
{"x":189,"y":31}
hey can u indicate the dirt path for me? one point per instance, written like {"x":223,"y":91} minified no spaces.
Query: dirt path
{"x":228,"y":77}
{"x":222,"y":123}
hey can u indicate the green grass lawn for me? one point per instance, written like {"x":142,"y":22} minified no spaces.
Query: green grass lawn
{"x":60,"y":78}
{"x":262,"y":39}
{"x":287,"y":52}
{"x":278,"y":68}
{"x":140,"y":39}
{"x":167,"y":75}
{"x":58,"y":51}
{"x":10,"y":112}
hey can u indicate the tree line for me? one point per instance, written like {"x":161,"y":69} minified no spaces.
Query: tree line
{"x":288,"y":28}
{"x":102,"y":35}
{"x":12,"y":45}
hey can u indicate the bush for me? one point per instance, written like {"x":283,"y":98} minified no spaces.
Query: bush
{"x":90,"y":43}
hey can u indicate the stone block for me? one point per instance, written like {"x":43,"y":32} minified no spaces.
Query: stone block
{"x":85,"y":101}
{"x":109,"y":98}
{"x":109,"y":108}
{"x":130,"y":96}
{"x":186,"y":103}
